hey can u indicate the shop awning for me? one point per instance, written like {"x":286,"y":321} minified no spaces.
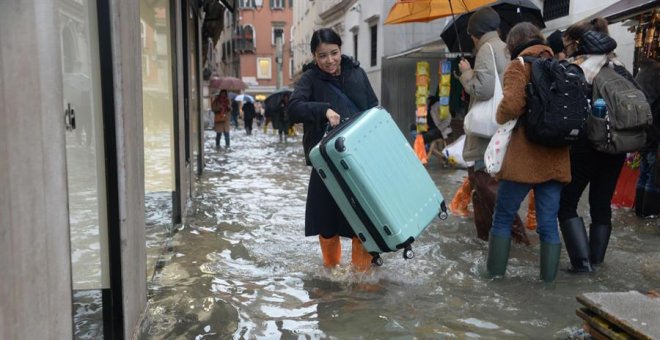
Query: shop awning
{"x":625,"y":9}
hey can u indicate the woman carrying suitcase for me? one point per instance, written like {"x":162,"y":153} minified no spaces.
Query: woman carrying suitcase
{"x":332,"y":87}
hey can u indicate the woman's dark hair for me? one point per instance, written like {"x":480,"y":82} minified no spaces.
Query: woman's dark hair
{"x":522,"y":34}
{"x":577,"y":30}
{"x":324,"y":35}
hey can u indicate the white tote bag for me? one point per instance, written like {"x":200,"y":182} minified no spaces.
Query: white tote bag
{"x":480,"y":120}
{"x":497,"y":146}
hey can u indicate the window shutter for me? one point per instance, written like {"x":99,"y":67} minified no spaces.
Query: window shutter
{"x":272,"y":4}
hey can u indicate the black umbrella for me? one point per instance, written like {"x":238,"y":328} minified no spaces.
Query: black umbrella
{"x":272,"y":102}
{"x":511,"y":12}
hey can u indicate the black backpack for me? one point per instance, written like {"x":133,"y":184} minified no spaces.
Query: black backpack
{"x":557,"y":104}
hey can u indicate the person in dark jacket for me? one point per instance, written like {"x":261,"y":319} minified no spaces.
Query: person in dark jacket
{"x":283,"y":118}
{"x":248,"y":115}
{"x":647,"y":194}
{"x":588,"y":44}
{"x":526,"y":165}
{"x":332,"y":87}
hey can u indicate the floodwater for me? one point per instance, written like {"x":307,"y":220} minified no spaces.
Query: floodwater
{"x":239,"y":267}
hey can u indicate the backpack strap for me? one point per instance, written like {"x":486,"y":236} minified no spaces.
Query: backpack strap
{"x":343,"y":96}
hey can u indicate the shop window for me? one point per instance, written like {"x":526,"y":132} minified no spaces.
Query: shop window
{"x":555,"y":9}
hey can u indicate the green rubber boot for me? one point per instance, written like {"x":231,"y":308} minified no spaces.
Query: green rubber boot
{"x":498,"y":255}
{"x":549,"y":261}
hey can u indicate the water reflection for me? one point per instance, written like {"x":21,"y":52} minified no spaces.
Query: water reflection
{"x":239,"y":267}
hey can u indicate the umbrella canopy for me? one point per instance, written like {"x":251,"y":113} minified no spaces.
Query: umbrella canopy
{"x":405,"y":11}
{"x":227,"y":83}
{"x":272,"y":102}
{"x":244,"y":98}
{"x":511,"y":12}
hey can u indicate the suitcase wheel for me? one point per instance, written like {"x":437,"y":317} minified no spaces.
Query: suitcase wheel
{"x":443,"y":211}
{"x":408,"y":253}
{"x":377,"y":260}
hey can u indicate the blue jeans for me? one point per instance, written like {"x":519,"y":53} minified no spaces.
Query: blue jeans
{"x":217,"y":138}
{"x":511,"y":194}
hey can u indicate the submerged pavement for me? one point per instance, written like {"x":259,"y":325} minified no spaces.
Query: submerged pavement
{"x":240,"y":267}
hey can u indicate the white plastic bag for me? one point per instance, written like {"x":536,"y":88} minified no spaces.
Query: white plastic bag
{"x":497,"y":146}
{"x":454,"y":153}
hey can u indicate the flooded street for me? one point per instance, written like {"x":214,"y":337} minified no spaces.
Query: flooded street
{"x":240,"y":267}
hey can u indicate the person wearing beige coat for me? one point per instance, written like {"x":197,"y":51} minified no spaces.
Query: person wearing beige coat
{"x":526,"y":165}
{"x":479,"y":83}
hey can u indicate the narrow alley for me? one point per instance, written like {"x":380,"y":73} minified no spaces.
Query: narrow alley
{"x":239,"y":267}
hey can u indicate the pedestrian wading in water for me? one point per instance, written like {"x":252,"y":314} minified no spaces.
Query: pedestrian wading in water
{"x":479,"y":83}
{"x":526,"y":165}
{"x":315,"y":104}
{"x":588,"y":44}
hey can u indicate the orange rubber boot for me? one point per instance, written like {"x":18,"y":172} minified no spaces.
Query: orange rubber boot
{"x":459,"y":204}
{"x":531,"y":212}
{"x":331,"y":250}
{"x":360,"y":258}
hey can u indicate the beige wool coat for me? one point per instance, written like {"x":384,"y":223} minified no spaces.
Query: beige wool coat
{"x":479,"y":83}
{"x":524,"y":161}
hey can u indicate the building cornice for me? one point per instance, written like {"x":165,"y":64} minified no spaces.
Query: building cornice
{"x":336,"y":10}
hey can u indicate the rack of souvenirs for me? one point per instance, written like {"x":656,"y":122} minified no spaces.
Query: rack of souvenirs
{"x":647,"y":32}
{"x":422,"y":82}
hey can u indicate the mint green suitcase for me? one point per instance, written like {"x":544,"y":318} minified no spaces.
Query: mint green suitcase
{"x":378,"y":182}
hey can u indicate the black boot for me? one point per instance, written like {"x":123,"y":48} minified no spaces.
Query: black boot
{"x":650,"y":204}
{"x":599,"y":237}
{"x":639,"y":202}
{"x":577,"y":245}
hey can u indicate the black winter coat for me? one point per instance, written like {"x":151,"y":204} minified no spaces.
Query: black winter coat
{"x":313,"y":96}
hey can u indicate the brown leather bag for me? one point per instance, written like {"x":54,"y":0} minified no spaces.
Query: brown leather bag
{"x":484,"y":194}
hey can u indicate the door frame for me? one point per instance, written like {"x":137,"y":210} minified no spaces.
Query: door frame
{"x":112,"y":298}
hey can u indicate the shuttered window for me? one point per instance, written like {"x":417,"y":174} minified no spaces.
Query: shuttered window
{"x":555,"y":9}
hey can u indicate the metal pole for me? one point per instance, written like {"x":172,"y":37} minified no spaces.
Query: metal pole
{"x":278,"y":61}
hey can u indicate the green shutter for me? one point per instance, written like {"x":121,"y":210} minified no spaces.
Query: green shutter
{"x":272,"y":4}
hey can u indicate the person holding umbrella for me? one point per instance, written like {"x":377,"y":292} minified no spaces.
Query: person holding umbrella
{"x":332,"y":87}
{"x":221,"y":108}
{"x":479,"y":83}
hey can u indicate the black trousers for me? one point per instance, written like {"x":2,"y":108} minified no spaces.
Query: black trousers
{"x":598,"y":170}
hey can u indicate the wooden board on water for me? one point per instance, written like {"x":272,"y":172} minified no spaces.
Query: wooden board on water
{"x":635,"y":313}
{"x":600,"y":328}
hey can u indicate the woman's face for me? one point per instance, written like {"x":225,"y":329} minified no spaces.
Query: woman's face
{"x":570,"y":46}
{"x":328,"y":58}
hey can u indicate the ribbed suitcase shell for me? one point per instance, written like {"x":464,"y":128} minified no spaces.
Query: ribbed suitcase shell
{"x":377,"y":181}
